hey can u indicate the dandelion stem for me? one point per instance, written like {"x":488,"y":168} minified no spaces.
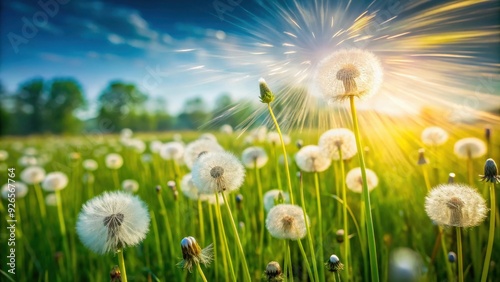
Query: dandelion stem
{"x":306,"y":261}
{"x":116,"y":181}
{"x":214,"y":239}
{"x":41,"y":202}
{"x":460,"y":260}
{"x":163,"y":212}
{"x":426,"y":178}
{"x":491,"y":235}
{"x":201,"y":272}
{"x":287,"y":169}
{"x":237,"y":237}
{"x":261,"y":212}
{"x":225,"y":247}
{"x":320,"y":223}
{"x":347,"y":245}
{"x":445,"y":254}
{"x":289,"y":259}
{"x":309,"y":235}
{"x":121,"y":264}
{"x":372,"y":247}
{"x":201,"y":223}
{"x":157,"y":238}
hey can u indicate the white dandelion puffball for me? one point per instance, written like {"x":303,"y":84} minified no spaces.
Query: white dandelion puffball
{"x":55,"y":181}
{"x":130,"y":185}
{"x":254,"y":157}
{"x":354,"y":181}
{"x":114,"y":161}
{"x":286,"y":222}
{"x":155,"y":146}
{"x":272,"y":196}
{"x":215,"y":172}
{"x":434,"y":136}
{"x":208,"y":136}
{"x":90,"y":165}
{"x":470,"y":148}
{"x":338,"y":140}
{"x":4,"y":155}
{"x":189,"y":189}
{"x":172,"y":151}
{"x":51,"y":200}
{"x":19,"y":189}
{"x":112,"y":221}
{"x":33,"y":175}
{"x":455,"y":205}
{"x":126,"y":133}
{"x":195,"y":148}
{"x":259,"y":134}
{"x":274,"y":138}
{"x":226,"y":129}
{"x":26,"y":161}
{"x":347,"y":73}
{"x":30,"y":151}
{"x":136,"y":145}
{"x":311,"y":158}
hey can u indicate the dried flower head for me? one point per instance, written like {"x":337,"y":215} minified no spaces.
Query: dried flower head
{"x":339,"y":139}
{"x":19,"y":189}
{"x":192,"y":254}
{"x":275,"y":197}
{"x":354,"y":181}
{"x":455,"y":205}
{"x":434,"y":136}
{"x":286,"y":221}
{"x":114,"y":161}
{"x":333,"y":264}
{"x":215,"y":172}
{"x":348,"y":73}
{"x":470,"y":148}
{"x":130,"y":185}
{"x":266,"y":95}
{"x":112,"y":221}
{"x":311,"y":158}
{"x":33,"y":175}
{"x":90,"y":165}
{"x":273,"y":272}
{"x":490,"y":172}
{"x":55,"y":181}
{"x":254,"y":157}
{"x":195,"y":148}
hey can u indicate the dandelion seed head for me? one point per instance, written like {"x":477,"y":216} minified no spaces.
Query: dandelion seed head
{"x":311,"y":158}
{"x":155,"y":146}
{"x":354,"y":181}
{"x":172,"y":151}
{"x":273,"y":271}
{"x":55,"y":181}
{"x":455,"y":205}
{"x":112,"y":221}
{"x":113,"y":161}
{"x":130,"y":185}
{"x":434,"y":136}
{"x":208,"y":136}
{"x":339,"y":139}
{"x":51,"y":200}
{"x":470,"y":147}
{"x":26,"y":161}
{"x":20,"y":191}
{"x":4,"y":155}
{"x":33,"y":175}
{"x":195,"y":148}
{"x":90,"y":165}
{"x":254,"y":157}
{"x":286,"y":221}
{"x":189,"y":189}
{"x":271,"y":198}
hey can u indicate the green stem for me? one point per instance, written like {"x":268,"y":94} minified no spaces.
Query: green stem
{"x":445,"y":254}
{"x":201,"y":223}
{"x":287,"y":169}
{"x":168,"y":228}
{"x":121,"y":264}
{"x":347,"y":244}
{"x":309,"y":235}
{"x":306,"y":261}
{"x":320,"y":224}
{"x":460,"y":259}
{"x":157,"y":239}
{"x":41,"y":202}
{"x":214,"y":239}
{"x":289,"y":259}
{"x":261,"y":214}
{"x":222,"y":232}
{"x":116,"y":180}
{"x":201,"y":272}
{"x":237,"y":237}
{"x":62,"y":225}
{"x":491,"y":235}
{"x":426,"y":178}
{"x":372,"y":247}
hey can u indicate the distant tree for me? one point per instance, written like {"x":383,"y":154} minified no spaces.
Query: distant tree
{"x":194,"y":115}
{"x":65,"y":96}
{"x":4,"y":114}
{"x":117,"y":102}
{"x":29,"y":107}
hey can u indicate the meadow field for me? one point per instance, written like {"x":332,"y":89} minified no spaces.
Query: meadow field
{"x":409,"y":244}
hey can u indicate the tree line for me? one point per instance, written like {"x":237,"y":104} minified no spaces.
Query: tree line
{"x":55,"y":106}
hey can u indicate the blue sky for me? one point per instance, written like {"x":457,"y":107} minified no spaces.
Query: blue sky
{"x":182,"y":49}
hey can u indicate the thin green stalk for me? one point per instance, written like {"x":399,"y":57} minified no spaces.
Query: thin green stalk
{"x":41,"y":202}
{"x":201,"y":223}
{"x":277,"y":166}
{"x":491,"y":235}
{"x":62,"y":225}
{"x":238,"y":241}
{"x":261,"y":213}
{"x":309,"y":235}
{"x":157,"y":239}
{"x":168,"y":228}
{"x":460,"y":256}
{"x":222,"y":232}
{"x":445,"y":254}
{"x":121,"y":264}
{"x":214,"y":239}
{"x":306,"y":261}
{"x":347,"y":244}
{"x":289,"y":259}
{"x":287,"y":169}
{"x":372,"y":247}
{"x":116,"y":180}
{"x":320,"y":224}
{"x":201,"y":273}
{"x":426,"y":178}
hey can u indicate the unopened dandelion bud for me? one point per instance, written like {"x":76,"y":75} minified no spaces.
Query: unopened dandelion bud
{"x":241,"y":225}
{"x":176,"y":194}
{"x":451,"y":178}
{"x":115,"y":274}
{"x":340,"y":235}
{"x":299,"y":174}
{"x":158,"y":189}
{"x":334,"y":264}
{"x":239,"y":201}
{"x":273,"y":272}
{"x":266,"y":95}
{"x":452,"y":257}
{"x":421,"y":157}
{"x":171,"y":184}
{"x":299,"y":144}
{"x":193,"y":254}
{"x":487,"y":134}
{"x":490,"y":172}
{"x":387,"y":239}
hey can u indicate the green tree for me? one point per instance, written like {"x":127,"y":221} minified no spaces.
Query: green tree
{"x":64,"y":98}
{"x":29,"y":107}
{"x":194,"y":114}
{"x":4,"y":114}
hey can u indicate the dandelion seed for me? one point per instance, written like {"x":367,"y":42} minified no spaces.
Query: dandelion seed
{"x":470,"y":148}
{"x":311,"y":158}
{"x":354,"y":181}
{"x":273,"y":272}
{"x":195,"y":148}
{"x":114,"y":161}
{"x":272,"y":198}
{"x":348,"y":73}
{"x":455,"y":205}
{"x":90,"y":165}
{"x":193,"y":254}
{"x":434,"y":136}
{"x":19,"y":189}
{"x":490,"y":172}
{"x":215,"y":172}
{"x":339,"y":139}
{"x":55,"y":181}
{"x":286,"y":221}
{"x":33,"y":175}
{"x":334,"y":264}
{"x":130,"y":185}
{"x":254,"y":156}
{"x":112,"y":221}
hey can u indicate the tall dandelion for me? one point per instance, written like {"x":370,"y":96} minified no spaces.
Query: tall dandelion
{"x":114,"y":162}
{"x":111,"y":222}
{"x":468,"y":149}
